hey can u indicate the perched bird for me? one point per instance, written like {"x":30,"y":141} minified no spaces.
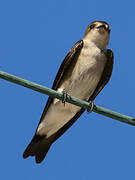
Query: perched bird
{"x":83,"y":73}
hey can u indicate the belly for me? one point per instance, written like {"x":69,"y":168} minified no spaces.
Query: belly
{"x":84,"y":85}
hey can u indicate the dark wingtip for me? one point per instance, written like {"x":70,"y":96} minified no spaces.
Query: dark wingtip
{"x":25,"y":155}
{"x":39,"y":159}
{"x":38,"y":148}
{"x":30,"y":150}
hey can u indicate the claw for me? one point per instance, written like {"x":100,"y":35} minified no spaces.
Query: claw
{"x":64,"y":97}
{"x":91,"y":108}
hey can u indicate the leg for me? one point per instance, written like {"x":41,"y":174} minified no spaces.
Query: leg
{"x":91,"y":106}
{"x":64,"y":97}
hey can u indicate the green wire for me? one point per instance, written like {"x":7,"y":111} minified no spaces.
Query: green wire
{"x":70,"y":99}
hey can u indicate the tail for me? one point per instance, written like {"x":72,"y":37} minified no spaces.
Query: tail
{"x":38,"y":147}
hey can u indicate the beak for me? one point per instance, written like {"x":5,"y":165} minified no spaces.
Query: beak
{"x":104,"y":27}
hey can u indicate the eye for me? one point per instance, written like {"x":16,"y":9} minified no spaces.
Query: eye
{"x":91,"y":26}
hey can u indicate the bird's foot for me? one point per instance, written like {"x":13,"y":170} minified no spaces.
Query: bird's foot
{"x":91,"y":107}
{"x":64,"y":97}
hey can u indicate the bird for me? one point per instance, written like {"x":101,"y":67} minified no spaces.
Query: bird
{"x":84,"y":72}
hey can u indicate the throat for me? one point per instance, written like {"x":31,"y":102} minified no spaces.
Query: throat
{"x":90,"y":44}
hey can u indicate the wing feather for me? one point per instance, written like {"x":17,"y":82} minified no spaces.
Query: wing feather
{"x":40,"y":145}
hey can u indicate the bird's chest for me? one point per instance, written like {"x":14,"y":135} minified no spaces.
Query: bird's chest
{"x":86,"y":73}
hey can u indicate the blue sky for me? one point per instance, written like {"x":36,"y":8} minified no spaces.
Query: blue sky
{"x":34,"y":38}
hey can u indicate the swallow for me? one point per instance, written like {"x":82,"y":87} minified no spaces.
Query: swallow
{"x":84,"y":72}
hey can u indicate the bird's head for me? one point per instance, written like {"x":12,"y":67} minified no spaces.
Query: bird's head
{"x":98,"y":32}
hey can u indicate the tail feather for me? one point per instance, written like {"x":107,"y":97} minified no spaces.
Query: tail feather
{"x":38,"y":149}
